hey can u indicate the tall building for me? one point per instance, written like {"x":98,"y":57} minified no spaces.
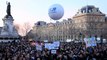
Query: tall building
{"x":88,"y":21}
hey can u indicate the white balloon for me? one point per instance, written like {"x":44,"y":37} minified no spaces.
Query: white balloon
{"x":56,"y":12}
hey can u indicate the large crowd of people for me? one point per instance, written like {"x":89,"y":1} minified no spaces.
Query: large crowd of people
{"x":67,"y":51}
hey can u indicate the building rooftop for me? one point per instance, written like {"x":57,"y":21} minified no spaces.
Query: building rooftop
{"x":87,"y":9}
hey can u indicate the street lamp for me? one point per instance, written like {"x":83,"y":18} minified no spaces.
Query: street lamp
{"x":101,"y":39}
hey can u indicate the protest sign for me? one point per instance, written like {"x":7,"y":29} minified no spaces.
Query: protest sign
{"x":38,"y":47}
{"x":54,"y":45}
{"x":53,"y":51}
{"x":87,"y":42}
{"x":93,"y":41}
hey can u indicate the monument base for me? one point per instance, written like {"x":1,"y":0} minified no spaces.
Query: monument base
{"x":8,"y":32}
{"x":9,"y":39}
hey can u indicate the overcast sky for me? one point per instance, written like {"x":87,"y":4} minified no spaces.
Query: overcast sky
{"x":37,"y":10}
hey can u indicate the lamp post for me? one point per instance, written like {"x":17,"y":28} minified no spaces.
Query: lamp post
{"x":101,"y":39}
{"x":80,"y":34}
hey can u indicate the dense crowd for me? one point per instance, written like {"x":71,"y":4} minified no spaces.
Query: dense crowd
{"x":67,"y":51}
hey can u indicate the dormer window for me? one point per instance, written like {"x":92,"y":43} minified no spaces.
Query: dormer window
{"x":83,"y":11}
{"x":89,"y":11}
{"x":97,"y":9}
{"x":106,"y":19}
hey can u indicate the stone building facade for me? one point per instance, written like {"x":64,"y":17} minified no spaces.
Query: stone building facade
{"x":88,"y":21}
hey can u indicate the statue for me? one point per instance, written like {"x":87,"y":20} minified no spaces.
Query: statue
{"x":6,"y":27}
{"x":8,"y":9}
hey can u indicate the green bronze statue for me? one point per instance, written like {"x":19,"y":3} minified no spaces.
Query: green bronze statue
{"x":8,"y":9}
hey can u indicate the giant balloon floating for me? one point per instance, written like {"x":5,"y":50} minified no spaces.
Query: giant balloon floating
{"x":56,"y":12}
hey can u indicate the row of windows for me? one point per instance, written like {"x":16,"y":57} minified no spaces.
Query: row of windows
{"x":63,"y":23}
{"x":89,"y":10}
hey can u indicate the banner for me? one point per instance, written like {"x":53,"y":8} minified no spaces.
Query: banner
{"x":54,"y":45}
{"x":49,"y":46}
{"x":57,"y":43}
{"x":90,"y":41}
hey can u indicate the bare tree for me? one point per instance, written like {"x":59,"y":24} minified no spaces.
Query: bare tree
{"x":26,"y":27}
{"x":18,"y":29}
